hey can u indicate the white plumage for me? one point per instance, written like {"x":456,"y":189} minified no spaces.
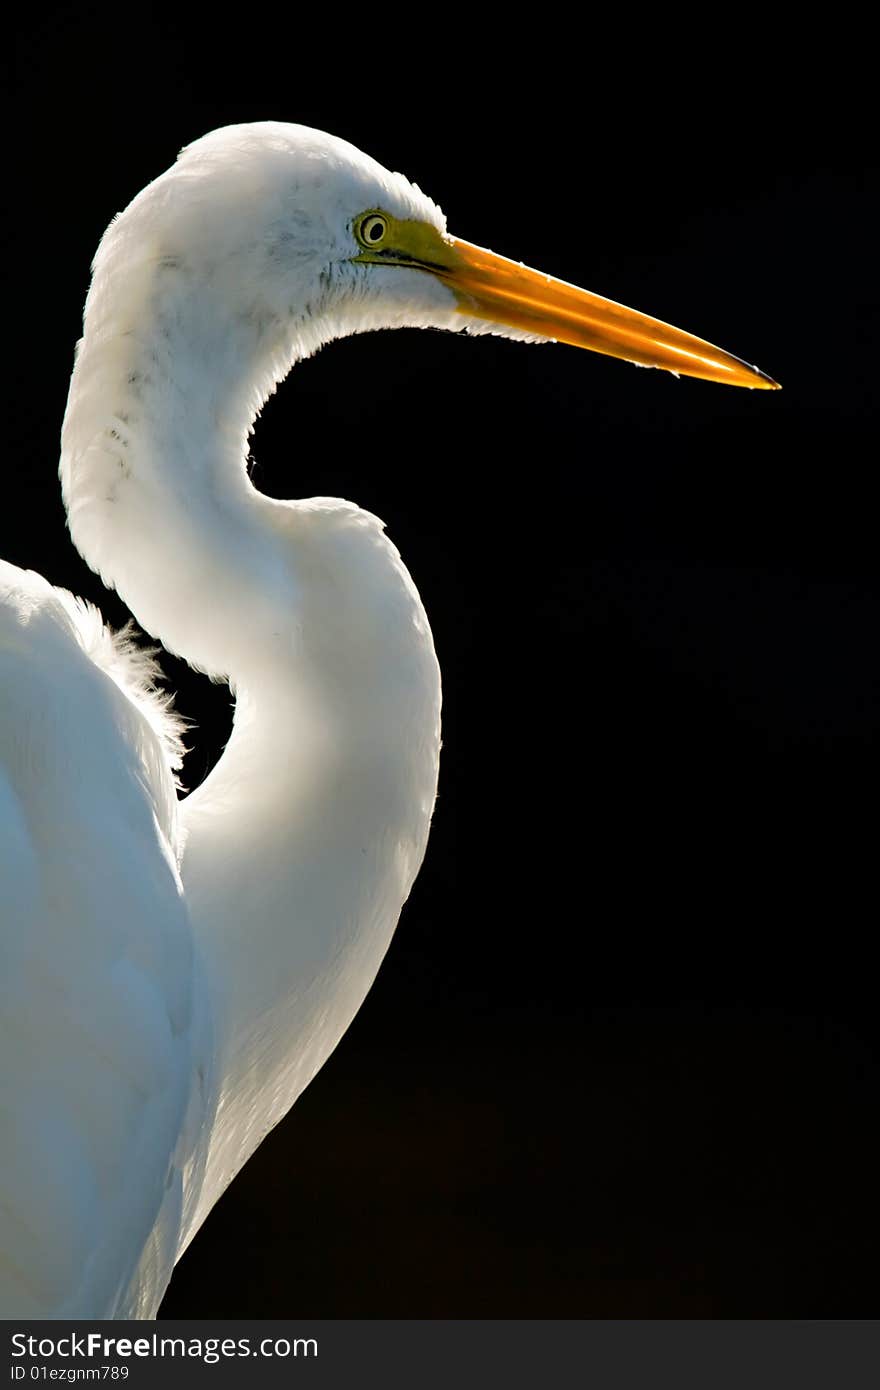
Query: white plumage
{"x":174,"y":976}
{"x":97,"y":986}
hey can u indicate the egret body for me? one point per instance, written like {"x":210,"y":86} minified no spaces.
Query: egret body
{"x":176,"y":973}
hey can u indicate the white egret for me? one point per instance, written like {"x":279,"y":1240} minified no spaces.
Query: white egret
{"x":174,"y":975}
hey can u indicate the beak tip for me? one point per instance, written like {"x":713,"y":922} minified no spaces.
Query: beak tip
{"x":766,"y":382}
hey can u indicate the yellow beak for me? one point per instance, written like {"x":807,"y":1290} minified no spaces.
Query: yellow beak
{"x":493,"y":288}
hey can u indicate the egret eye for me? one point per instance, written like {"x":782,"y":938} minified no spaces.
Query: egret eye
{"x":372,"y":229}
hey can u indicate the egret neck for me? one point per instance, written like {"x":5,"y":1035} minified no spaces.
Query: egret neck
{"x":306,"y":837}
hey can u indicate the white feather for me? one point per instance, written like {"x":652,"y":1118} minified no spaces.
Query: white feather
{"x":157,"y":1024}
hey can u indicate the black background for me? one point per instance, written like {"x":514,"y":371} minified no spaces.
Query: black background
{"x":620,"y":1059}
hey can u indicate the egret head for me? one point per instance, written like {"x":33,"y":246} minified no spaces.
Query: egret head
{"x":260,"y":244}
{"x":304,"y":237}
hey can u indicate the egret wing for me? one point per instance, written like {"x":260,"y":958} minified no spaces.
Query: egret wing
{"x":96,"y":983}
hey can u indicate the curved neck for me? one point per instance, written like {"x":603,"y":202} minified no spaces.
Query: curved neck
{"x":303,"y":843}
{"x":167,"y":383}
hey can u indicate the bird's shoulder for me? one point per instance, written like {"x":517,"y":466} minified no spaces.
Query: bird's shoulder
{"x":82,"y":701}
{"x":96,"y":989}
